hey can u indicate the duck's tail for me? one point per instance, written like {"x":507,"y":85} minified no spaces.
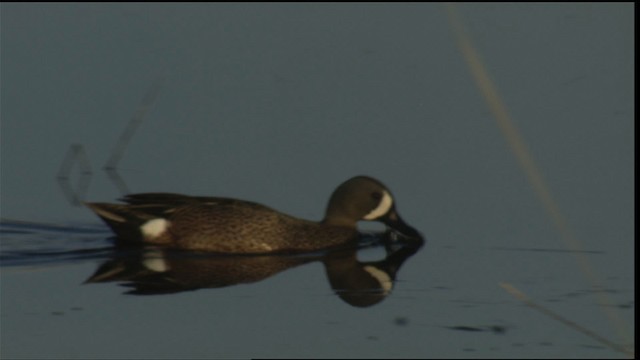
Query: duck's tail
{"x":124,"y":220}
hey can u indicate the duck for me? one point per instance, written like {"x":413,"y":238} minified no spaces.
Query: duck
{"x":233,"y":226}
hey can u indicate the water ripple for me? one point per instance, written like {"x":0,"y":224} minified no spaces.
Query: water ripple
{"x":26,"y":243}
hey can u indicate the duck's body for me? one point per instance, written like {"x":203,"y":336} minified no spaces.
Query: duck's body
{"x":236,"y":226}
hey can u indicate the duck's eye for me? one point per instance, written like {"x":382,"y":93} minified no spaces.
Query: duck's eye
{"x":376,"y":196}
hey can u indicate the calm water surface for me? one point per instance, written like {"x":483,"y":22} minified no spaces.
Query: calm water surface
{"x":279,"y":104}
{"x":49,"y":310}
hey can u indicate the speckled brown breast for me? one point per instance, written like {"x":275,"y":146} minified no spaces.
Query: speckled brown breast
{"x":244,"y":227}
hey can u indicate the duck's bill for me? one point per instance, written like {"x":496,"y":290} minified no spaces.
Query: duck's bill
{"x":396,"y":224}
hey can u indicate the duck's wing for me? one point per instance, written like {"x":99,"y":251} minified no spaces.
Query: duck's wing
{"x":164,"y":199}
{"x":170,"y":200}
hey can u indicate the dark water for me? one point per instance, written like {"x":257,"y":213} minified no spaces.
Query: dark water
{"x":252,"y":306}
{"x":279,"y":104}
{"x":27,"y":244}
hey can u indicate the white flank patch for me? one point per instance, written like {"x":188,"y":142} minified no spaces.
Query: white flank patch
{"x":382,"y":209}
{"x":154,"y":228}
{"x":383,"y":278}
{"x":154,"y":261}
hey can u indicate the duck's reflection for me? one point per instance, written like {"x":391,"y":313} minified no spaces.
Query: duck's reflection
{"x":366,"y":283}
{"x":154,"y":270}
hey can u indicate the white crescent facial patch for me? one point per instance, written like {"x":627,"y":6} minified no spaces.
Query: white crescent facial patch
{"x":383,"y":207}
{"x":384,"y":280}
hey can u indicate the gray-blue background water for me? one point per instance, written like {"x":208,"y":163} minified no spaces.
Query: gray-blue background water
{"x":279,"y":103}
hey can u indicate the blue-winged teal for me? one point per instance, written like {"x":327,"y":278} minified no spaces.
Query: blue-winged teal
{"x":236,"y":226}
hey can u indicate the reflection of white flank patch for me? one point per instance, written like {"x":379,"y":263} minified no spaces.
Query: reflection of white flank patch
{"x":383,"y":278}
{"x":382,"y":208}
{"x":154,"y":261}
{"x":154,"y":228}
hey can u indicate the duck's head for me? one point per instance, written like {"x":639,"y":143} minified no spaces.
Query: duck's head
{"x":365,"y":198}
